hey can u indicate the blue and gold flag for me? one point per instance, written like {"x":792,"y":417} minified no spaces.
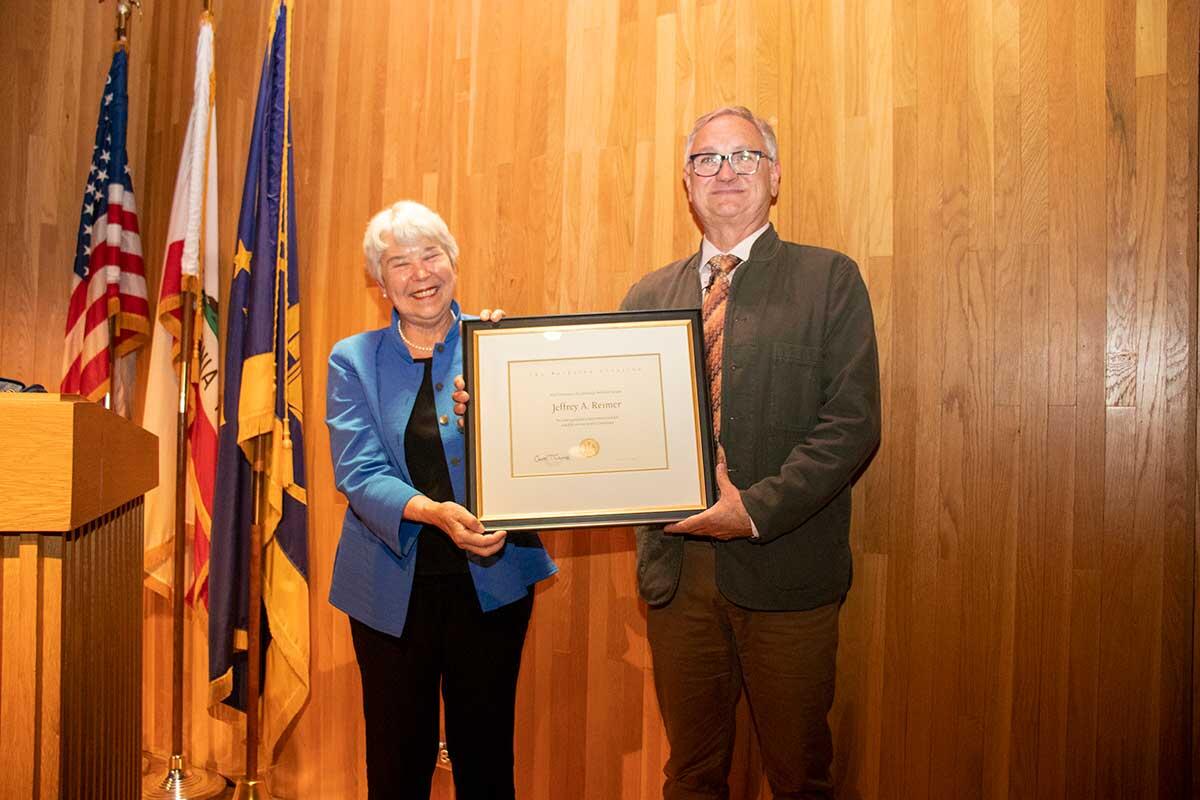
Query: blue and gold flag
{"x":262,"y":398}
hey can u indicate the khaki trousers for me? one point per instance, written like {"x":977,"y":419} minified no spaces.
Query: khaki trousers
{"x":706,"y":650}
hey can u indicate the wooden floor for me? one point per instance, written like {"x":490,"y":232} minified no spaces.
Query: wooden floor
{"x":443,"y":783}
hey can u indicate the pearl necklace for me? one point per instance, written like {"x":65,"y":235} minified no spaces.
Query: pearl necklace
{"x":414,"y":345}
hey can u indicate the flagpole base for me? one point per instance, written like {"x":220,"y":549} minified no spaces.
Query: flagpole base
{"x":251,"y":790}
{"x":182,"y":782}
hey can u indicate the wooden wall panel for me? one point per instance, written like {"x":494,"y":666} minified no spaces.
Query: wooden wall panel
{"x":1017,"y":180}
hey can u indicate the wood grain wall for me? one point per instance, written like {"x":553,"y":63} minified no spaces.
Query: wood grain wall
{"x":1017,"y":180}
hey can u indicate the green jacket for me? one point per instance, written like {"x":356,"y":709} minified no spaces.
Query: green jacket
{"x":799,"y":419}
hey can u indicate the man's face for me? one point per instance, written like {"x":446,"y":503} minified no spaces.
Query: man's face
{"x":728,"y":198}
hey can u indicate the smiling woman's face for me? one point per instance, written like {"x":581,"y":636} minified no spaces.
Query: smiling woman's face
{"x":419,"y":280}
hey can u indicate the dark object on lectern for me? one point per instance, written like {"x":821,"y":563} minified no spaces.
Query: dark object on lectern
{"x":10,"y":385}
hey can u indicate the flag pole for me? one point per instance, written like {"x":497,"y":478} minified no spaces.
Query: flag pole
{"x":249,"y":787}
{"x":123,"y":12}
{"x":256,"y":439}
{"x":110,"y":397}
{"x":180,"y":782}
{"x":180,"y":543}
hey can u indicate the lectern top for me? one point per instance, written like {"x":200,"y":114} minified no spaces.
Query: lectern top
{"x":65,"y":461}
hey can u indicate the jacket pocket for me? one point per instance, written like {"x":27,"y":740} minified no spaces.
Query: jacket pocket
{"x":794,"y":388}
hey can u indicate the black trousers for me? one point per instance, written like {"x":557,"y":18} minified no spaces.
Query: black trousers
{"x":475,"y":657}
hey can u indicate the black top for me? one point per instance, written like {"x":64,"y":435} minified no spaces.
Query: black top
{"x":436,"y":553}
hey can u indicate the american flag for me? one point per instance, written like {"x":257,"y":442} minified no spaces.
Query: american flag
{"x":109,"y":278}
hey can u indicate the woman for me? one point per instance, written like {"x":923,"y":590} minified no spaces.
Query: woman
{"x":432,"y":597}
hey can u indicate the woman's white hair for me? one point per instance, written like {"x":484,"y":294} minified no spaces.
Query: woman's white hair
{"x":764,"y":128}
{"x":408,"y":222}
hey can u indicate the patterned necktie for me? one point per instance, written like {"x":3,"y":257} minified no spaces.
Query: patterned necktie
{"x":713,"y":315}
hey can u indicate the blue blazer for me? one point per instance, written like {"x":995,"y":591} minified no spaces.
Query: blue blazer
{"x":373,"y":384}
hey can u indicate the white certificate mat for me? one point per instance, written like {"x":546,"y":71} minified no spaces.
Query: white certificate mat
{"x":587,"y":420}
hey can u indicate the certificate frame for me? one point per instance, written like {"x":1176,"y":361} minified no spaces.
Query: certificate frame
{"x":641,"y":448}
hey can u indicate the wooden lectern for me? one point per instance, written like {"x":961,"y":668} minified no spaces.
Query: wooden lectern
{"x":72,"y":476}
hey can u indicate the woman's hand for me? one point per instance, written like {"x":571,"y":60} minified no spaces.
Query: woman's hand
{"x":460,"y":397}
{"x":463,"y":528}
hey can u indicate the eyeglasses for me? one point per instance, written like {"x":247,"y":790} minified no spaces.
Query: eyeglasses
{"x":743,"y":162}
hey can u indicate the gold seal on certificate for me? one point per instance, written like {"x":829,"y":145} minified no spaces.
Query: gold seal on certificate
{"x":587,"y":419}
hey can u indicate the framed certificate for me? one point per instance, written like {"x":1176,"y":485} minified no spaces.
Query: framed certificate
{"x":587,"y":419}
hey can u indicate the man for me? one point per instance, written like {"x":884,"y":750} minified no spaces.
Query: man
{"x":745,"y":595}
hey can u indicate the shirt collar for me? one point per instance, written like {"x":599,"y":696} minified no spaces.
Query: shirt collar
{"x":741,"y":250}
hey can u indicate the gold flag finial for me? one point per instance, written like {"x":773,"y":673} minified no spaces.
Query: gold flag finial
{"x":124,"y":12}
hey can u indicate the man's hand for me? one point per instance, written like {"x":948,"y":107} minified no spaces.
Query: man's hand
{"x":460,"y":525}
{"x":727,"y":519}
{"x":460,"y":397}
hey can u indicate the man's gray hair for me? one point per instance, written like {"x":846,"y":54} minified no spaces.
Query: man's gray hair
{"x":764,"y":127}
{"x":408,"y":222}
